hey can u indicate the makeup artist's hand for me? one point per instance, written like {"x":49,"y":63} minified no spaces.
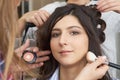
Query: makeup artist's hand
{"x":94,"y":71}
{"x":41,"y":54}
{"x":109,"y":5}
{"x":38,"y":17}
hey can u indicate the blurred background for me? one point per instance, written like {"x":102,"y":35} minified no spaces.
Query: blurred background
{"x":29,"y":5}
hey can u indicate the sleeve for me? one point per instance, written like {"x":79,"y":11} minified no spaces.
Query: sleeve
{"x":1,"y":63}
{"x":52,"y":6}
{"x":1,"y":68}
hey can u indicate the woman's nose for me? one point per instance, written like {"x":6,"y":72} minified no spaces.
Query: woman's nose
{"x":63,"y":40}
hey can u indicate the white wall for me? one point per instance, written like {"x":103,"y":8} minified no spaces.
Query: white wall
{"x":36,"y":4}
{"x":118,"y":53}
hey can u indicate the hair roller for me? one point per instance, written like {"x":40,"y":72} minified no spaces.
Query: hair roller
{"x":101,"y":24}
{"x":98,"y":23}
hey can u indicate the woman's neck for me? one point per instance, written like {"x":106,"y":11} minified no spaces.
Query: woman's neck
{"x":79,"y":2}
{"x":71,"y":72}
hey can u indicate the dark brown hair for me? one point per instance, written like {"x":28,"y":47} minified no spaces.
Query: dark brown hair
{"x":89,"y":18}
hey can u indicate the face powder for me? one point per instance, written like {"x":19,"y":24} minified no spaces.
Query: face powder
{"x":29,"y":56}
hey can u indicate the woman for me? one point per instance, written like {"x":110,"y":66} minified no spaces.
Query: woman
{"x":70,"y":32}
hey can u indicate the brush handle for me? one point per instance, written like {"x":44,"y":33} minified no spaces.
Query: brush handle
{"x":114,"y":65}
{"x":28,"y":24}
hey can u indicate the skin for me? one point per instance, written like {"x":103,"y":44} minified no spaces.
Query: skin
{"x":69,"y":46}
{"x":69,"y":43}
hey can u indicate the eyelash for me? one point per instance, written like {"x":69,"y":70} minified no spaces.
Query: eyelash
{"x":74,"y":32}
{"x":56,"y":34}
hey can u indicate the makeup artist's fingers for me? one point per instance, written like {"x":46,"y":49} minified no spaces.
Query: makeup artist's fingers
{"x":109,"y":5}
{"x":35,"y":49}
{"x":96,"y":69}
{"x":36,"y":65}
{"x":29,"y":67}
{"x":99,"y":61}
{"x":40,"y":17}
{"x":103,"y":69}
{"x":33,"y":20}
{"x":42,"y":59}
{"x":92,"y":70}
{"x":39,"y":53}
{"x":43,"y":53}
{"x":44,"y":15}
{"x":21,"y":49}
{"x":100,"y":67}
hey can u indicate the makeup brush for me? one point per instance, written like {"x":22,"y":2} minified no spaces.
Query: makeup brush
{"x":91,"y":58}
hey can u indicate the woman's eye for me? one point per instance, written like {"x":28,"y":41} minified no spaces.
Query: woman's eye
{"x":54,"y":35}
{"x":74,"y":33}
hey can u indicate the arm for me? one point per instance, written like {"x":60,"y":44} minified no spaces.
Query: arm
{"x":109,"y":5}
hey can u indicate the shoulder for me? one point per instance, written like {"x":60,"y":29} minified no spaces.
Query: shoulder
{"x":52,"y":6}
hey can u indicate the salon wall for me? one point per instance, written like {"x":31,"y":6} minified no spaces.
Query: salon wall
{"x":118,"y":53}
{"x":36,"y":4}
{"x":29,"y":5}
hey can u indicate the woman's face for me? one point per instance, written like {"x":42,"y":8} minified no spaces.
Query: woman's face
{"x":69,"y":41}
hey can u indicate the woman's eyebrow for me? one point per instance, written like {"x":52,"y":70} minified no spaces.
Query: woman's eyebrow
{"x":55,"y":29}
{"x":70,"y":27}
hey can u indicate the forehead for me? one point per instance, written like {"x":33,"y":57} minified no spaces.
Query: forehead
{"x":68,"y":20}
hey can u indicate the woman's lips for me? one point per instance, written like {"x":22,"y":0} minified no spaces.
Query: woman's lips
{"x":65,"y":52}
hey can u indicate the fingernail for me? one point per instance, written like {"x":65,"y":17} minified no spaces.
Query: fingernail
{"x":104,"y":57}
{"x":48,"y":51}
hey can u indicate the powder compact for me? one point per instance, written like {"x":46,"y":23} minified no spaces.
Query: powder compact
{"x":29,"y":56}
